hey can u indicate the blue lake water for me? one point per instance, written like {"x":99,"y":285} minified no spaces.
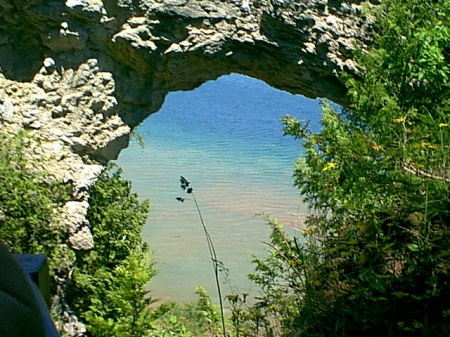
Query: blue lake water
{"x":226,"y":138}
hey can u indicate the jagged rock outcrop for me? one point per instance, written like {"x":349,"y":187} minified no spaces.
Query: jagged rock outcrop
{"x":69,"y":114}
{"x":80,"y":74}
{"x":154,"y":47}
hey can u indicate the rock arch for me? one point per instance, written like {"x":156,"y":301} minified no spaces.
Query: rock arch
{"x":80,"y":74}
{"x":154,"y":47}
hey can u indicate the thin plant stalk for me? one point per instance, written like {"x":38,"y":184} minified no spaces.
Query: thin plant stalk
{"x":212,"y":251}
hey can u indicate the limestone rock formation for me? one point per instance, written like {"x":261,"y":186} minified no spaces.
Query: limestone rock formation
{"x":153,"y":47}
{"x":69,"y":114}
{"x":80,"y":74}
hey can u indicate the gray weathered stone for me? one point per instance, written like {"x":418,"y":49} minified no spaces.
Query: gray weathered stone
{"x":154,"y":47}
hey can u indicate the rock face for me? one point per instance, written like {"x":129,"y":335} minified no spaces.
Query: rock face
{"x":80,"y":74}
{"x":70,"y":114}
{"x":157,"y":46}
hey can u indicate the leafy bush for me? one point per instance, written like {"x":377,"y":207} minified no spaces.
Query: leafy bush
{"x":376,"y":258}
{"x":108,"y":286}
{"x":29,"y":202}
{"x":200,"y":318}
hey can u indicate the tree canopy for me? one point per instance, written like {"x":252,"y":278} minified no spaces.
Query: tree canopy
{"x":376,"y":177}
{"x":108,"y":286}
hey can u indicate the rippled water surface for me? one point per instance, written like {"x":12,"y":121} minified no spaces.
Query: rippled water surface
{"x":226,"y":138}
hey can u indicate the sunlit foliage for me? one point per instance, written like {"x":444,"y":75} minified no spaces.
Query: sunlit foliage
{"x":376,"y":257}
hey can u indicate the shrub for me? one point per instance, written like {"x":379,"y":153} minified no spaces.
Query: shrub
{"x":29,"y":202}
{"x":376,"y":258}
{"x":108,"y":286}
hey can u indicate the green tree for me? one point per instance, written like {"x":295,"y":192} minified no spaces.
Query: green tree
{"x":376,"y":258}
{"x":29,"y":201}
{"x":108,"y":286}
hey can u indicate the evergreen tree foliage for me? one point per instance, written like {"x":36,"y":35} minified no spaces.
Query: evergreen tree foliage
{"x":29,"y":202}
{"x":376,"y":258}
{"x":108,"y":286}
{"x":107,"y":289}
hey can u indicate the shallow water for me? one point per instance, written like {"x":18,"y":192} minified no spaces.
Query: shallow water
{"x":226,"y":138}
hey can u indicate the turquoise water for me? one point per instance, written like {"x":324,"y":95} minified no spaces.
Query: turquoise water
{"x":226,"y":138}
